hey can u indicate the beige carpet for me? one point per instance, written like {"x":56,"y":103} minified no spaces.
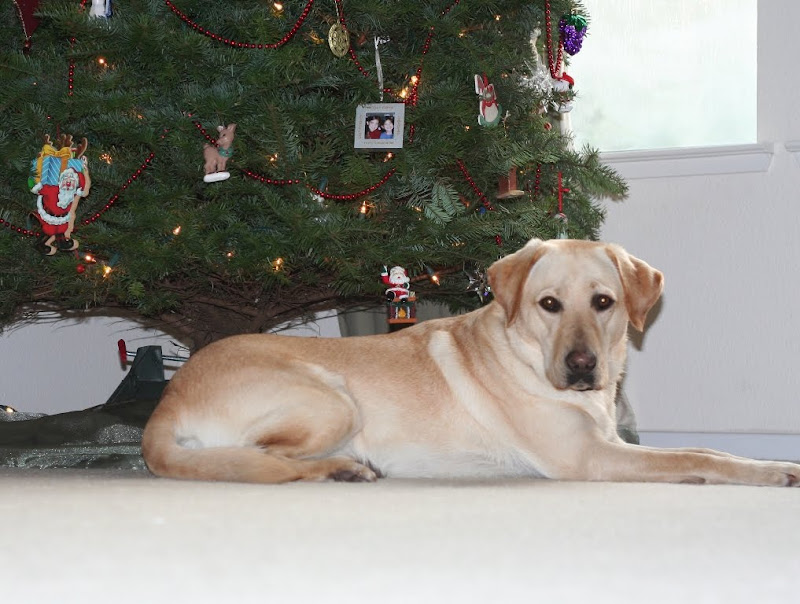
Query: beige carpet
{"x":94,"y":536}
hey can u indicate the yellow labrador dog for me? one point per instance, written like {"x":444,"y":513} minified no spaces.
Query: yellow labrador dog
{"x":525,"y":386}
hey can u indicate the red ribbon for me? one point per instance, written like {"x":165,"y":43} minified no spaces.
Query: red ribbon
{"x":561,"y":191}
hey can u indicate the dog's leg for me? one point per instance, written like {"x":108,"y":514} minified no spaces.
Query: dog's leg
{"x":303,"y":439}
{"x":576,"y":448}
{"x":252,"y":464}
{"x":255,"y":439}
{"x":702,"y":450}
{"x":606,"y":461}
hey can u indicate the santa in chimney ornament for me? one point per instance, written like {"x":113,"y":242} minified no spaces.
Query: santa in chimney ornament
{"x":401,"y":303}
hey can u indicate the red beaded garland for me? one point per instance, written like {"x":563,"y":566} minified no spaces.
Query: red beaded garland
{"x":209,"y":138}
{"x":280,"y":182}
{"x":486,"y":203}
{"x":484,"y":200}
{"x":316,"y":191}
{"x":555,"y":66}
{"x":410,"y":100}
{"x":451,"y":7}
{"x":19,"y":230}
{"x":71,"y":74}
{"x":538,"y":181}
{"x":183,"y":17}
{"x":115,"y":198}
{"x":413,"y":97}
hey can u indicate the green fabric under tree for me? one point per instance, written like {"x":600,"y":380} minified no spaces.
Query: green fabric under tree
{"x":250,"y":255}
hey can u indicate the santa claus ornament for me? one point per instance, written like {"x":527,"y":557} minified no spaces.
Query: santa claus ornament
{"x":562,"y":92}
{"x":59,"y":179}
{"x":401,"y":303}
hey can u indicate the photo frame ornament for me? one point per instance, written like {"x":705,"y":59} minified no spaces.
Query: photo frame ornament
{"x":379,"y":126}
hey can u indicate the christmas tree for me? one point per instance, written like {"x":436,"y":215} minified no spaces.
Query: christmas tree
{"x":118,"y":116}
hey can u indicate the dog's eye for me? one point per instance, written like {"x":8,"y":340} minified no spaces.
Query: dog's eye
{"x":550,"y":304}
{"x":602,"y":302}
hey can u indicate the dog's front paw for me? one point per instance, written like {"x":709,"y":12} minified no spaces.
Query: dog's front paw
{"x":780,"y":474}
{"x":793,"y":476}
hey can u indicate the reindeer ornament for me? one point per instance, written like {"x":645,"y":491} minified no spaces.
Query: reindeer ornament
{"x":217,"y":156}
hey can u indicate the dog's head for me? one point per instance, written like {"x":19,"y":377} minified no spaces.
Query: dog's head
{"x":573,"y":301}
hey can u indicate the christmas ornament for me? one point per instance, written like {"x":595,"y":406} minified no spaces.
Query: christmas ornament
{"x":562,"y":88}
{"x":59,"y":178}
{"x":507,"y":185}
{"x":338,"y":39}
{"x":401,"y":302}
{"x":562,"y":221}
{"x":479,"y":283}
{"x":26,"y":10}
{"x":101,"y":9}
{"x":488,"y":106}
{"x":539,"y":80}
{"x":550,"y":88}
{"x":217,"y":156}
{"x":397,"y":279}
{"x":572,"y":29}
{"x":379,"y":126}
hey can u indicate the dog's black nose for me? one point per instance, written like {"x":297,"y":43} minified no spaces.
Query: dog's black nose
{"x":581,"y":361}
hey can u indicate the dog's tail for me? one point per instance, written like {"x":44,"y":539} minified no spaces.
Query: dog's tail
{"x":162,"y":452}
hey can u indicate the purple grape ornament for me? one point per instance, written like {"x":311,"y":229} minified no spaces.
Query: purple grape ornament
{"x":572,"y":29}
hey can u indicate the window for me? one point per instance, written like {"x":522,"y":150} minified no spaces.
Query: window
{"x":657,"y":74}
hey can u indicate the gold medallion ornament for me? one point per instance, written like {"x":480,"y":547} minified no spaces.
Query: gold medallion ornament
{"x":339,"y":39}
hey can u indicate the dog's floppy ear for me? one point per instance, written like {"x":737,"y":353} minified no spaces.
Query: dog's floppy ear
{"x":507,"y":277}
{"x":640,"y":281}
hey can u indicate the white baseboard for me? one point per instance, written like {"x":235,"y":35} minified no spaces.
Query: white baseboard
{"x":692,"y":161}
{"x":757,"y":446}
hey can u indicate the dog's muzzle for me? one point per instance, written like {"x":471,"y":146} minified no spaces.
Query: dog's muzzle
{"x":580,"y":369}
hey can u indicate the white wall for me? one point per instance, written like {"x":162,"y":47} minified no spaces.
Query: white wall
{"x":722,"y":352}
{"x":52,"y":366}
{"x":56,"y":365}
